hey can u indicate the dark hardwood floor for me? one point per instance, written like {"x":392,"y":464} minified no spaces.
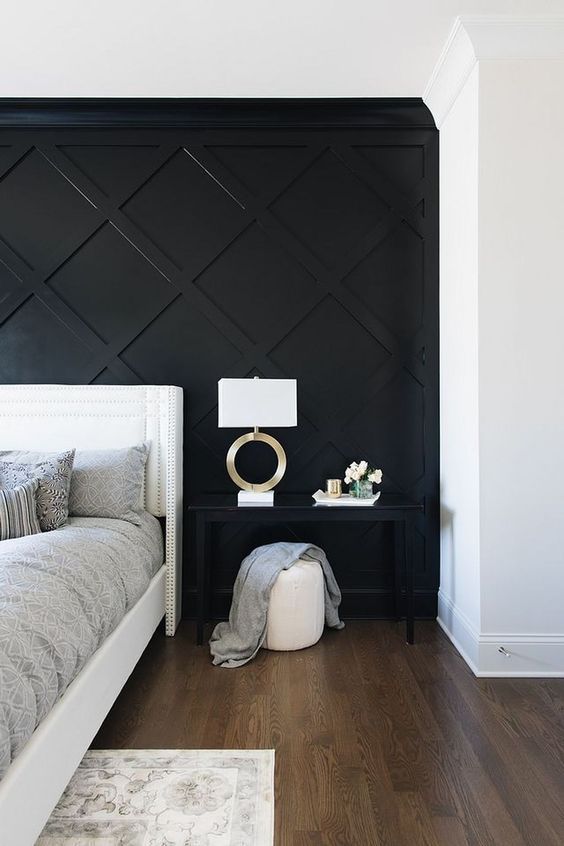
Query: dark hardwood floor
{"x":376,"y":742}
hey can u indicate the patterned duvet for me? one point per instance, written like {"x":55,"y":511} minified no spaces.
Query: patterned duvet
{"x":61,"y":594}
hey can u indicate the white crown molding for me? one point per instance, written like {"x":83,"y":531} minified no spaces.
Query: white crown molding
{"x":454,"y":66}
{"x":481,"y":38}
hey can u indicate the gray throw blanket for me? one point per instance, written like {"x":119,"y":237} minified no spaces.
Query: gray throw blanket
{"x":236,"y":642}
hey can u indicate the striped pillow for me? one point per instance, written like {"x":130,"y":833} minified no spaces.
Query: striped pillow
{"x":18,"y":511}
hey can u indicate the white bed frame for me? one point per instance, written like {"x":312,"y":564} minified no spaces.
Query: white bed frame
{"x":57,"y":417}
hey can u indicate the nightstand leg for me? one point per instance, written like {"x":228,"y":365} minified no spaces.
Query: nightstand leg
{"x":200,"y":578}
{"x":399,"y":563}
{"x":409,"y":565}
{"x":208,"y":610}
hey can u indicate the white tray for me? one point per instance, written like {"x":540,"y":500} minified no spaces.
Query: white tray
{"x":321,"y":498}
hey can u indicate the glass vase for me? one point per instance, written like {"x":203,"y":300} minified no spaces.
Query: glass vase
{"x":361,"y":489}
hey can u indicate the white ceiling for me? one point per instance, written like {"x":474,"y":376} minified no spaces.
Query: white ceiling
{"x":231,"y":48}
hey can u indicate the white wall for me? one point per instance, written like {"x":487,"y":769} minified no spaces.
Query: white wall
{"x":521,"y":332}
{"x":502,"y":343}
{"x":460,"y":468}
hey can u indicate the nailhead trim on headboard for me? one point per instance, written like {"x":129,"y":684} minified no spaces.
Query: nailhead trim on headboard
{"x":159,"y":404}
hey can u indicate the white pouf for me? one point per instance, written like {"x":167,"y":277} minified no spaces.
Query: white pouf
{"x":296,"y":612}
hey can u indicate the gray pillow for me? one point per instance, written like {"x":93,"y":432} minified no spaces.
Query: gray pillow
{"x":108,"y":483}
{"x":18,"y":511}
{"x":53,"y":473}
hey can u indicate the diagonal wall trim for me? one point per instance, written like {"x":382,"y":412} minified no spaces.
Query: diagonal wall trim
{"x":279,"y":245}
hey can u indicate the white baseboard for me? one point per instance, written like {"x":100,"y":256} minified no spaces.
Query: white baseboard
{"x":530,"y":655}
{"x":459,"y":630}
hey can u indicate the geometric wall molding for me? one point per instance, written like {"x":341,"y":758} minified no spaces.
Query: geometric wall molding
{"x":291,"y":244}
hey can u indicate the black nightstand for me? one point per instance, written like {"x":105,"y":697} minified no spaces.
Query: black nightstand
{"x":210,"y":509}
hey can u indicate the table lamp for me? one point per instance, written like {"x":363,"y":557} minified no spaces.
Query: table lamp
{"x":256,"y":402}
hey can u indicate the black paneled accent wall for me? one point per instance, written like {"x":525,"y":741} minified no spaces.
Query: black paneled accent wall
{"x":181,"y":241}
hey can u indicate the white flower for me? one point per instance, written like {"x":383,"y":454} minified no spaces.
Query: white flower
{"x":357,"y":471}
{"x":349,"y":472}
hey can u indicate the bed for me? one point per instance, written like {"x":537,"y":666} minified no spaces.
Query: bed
{"x":144,"y":589}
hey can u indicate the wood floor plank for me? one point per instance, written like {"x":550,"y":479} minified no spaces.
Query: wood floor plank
{"x":333,"y":820}
{"x":450,"y":830}
{"x":531,"y":800}
{"x":307,"y":838}
{"x":382,"y":796}
{"x":377,"y":743}
{"x":363,"y":823}
{"x":416,"y":823}
{"x":485,"y":818}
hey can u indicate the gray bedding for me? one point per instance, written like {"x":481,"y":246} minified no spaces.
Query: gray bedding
{"x":61,"y":594}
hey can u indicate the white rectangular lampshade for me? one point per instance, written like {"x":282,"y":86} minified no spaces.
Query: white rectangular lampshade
{"x":257,"y":402}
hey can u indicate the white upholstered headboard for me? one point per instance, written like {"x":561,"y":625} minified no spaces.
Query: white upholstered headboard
{"x":57,"y":417}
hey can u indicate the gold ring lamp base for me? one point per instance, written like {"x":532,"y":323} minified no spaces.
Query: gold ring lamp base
{"x":250,"y":403}
{"x":249,"y":492}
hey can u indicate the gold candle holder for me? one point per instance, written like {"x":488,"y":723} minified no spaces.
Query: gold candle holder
{"x":334,"y":488}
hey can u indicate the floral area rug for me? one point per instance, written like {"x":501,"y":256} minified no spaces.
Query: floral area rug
{"x":157,"y":797}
